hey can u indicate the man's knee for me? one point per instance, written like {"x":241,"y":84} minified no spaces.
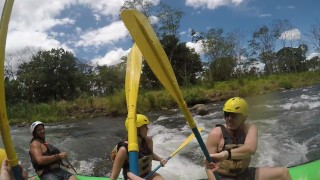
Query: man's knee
{"x":284,"y":173}
{"x":288,"y":176}
{"x":73,"y":177}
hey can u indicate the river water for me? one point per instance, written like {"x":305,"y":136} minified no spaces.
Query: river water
{"x":288,"y":123}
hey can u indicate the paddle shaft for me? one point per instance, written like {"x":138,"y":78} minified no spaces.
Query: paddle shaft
{"x":72,"y":167}
{"x":155,"y":169}
{"x":133,"y":157}
{"x":4,"y":123}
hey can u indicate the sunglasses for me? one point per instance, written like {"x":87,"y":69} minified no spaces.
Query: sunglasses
{"x":232,"y":115}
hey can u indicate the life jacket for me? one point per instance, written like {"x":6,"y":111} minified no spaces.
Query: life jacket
{"x":145,"y":156}
{"x":232,"y":167}
{"x":51,"y":150}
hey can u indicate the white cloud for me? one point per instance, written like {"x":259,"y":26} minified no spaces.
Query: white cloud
{"x":183,"y":33}
{"x":212,"y":4}
{"x":21,"y":39}
{"x":313,"y":55}
{"x":38,"y":15}
{"x":31,"y":22}
{"x":47,"y":24}
{"x":111,"y":58}
{"x":264,"y":15}
{"x":153,"y":19}
{"x":197,"y":46}
{"x":97,"y":17}
{"x":110,"y":34}
{"x":293,"y":34}
{"x":106,"y":8}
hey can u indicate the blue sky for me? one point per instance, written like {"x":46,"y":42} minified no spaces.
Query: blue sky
{"x":93,"y":31}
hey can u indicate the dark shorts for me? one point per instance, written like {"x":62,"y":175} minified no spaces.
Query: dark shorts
{"x":248,"y":174}
{"x":55,"y":174}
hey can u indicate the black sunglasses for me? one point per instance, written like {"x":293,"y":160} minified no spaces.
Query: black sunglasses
{"x":233,"y":115}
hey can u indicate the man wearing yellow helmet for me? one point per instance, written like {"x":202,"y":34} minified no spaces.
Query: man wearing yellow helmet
{"x":145,"y":154}
{"x":232,"y":144}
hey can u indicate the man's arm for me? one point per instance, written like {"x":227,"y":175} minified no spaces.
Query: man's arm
{"x":36,"y":152}
{"x":248,"y":149}
{"x":154,"y":155}
{"x":118,"y":163}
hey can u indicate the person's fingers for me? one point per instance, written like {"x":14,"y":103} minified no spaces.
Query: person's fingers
{"x":3,"y":165}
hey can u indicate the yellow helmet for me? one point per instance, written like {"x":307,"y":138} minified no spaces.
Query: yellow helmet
{"x":141,"y":120}
{"x":3,"y":155}
{"x":236,"y":105}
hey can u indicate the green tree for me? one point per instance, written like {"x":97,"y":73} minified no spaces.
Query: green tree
{"x":50,"y":75}
{"x":87,"y":75}
{"x":144,"y":6}
{"x":109,"y":79}
{"x":262,"y":47}
{"x":237,"y":39}
{"x":222,"y":68}
{"x":292,"y":59}
{"x":12,"y":89}
{"x":185,"y":62}
{"x":216,"y":46}
{"x":314,"y":35}
{"x":314,"y":63}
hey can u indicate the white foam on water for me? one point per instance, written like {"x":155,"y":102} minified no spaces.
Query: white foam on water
{"x":165,"y":142}
{"x":181,"y":168}
{"x":162,"y":118}
{"x":267,"y":122}
{"x":313,"y":105}
{"x":307,"y":97}
{"x":286,"y":106}
{"x":278,"y":151}
{"x":302,"y":105}
{"x":86,"y":167}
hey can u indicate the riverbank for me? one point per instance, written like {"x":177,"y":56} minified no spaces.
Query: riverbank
{"x":115,"y":105}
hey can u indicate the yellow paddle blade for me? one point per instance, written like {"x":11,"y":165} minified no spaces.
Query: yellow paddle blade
{"x":185,"y":143}
{"x":133,"y":73}
{"x":4,"y":124}
{"x":143,"y":34}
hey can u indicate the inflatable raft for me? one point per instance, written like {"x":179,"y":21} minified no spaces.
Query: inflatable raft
{"x":305,"y":171}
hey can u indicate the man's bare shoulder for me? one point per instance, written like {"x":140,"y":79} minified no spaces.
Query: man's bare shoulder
{"x":250,"y":125}
{"x":35,"y":144}
{"x":216,"y":131}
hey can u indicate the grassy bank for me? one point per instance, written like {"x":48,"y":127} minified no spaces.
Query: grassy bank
{"x":115,"y":105}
